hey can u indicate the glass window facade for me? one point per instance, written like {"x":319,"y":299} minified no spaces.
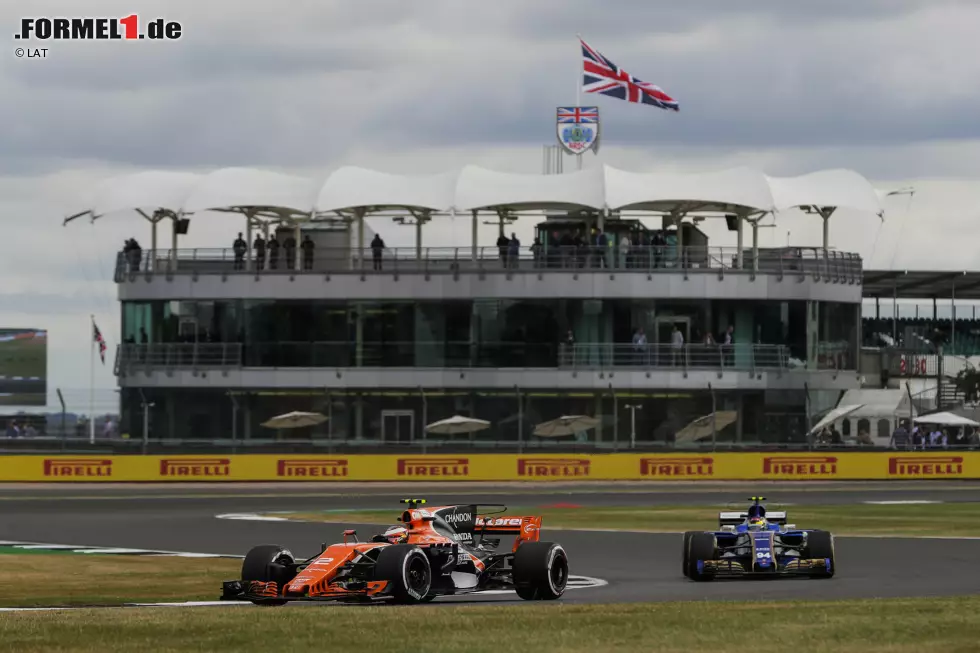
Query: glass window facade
{"x":491,"y":333}
{"x":398,"y":417}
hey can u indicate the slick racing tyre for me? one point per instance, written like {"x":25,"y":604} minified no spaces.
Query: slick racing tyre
{"x":408,"y":572}
{"x":269,"y":562}
{"x":540,"y":571}
{"x":820,"y":544}
{"x":702,"y":547}
{"x":686,"y":553}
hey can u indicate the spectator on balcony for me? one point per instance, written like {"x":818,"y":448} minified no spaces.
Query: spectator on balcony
{"x":536,"y":250}
{"x":659,"y":245}
{"x":639,"y":345}
{"x":273,"y":246}
{"x":728,"y":344}
{"x":900,"y":439}
{"x":624,"y":251}
{"x":133,"y":254}
{"x":144,"y":339}
{"x":259,"y":247}
{"x":567,"y":348}
{"x":289,"y":248}
{"x":513,"y":251}
{"x":676,"y":345}
{"x":377,"y":250}
{"x":502,"y":246}
{"x":240,"y":248}
{"x":601,"y":249}
{"x":307,"y":253}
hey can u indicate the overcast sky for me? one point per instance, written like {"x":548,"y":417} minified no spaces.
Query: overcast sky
{"x":885,"y":87}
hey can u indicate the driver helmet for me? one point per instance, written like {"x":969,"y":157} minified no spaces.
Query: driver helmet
{"x":396,"y":534}
{"x":757,"y":523}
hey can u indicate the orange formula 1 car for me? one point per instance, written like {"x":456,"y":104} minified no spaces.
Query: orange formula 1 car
{"x":431,"y":552}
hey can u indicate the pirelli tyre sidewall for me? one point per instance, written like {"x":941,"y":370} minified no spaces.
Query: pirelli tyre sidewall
{"x":269,"y":562}
{"x":686,"y":553}
{"x":408,"y":572}
{"x":703,"y":546}
{"x":820,"y":544}
{"x":540,"y":571}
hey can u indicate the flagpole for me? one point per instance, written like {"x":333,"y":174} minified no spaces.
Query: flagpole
{"x":578,"y":90}
{"x":91,"y":384}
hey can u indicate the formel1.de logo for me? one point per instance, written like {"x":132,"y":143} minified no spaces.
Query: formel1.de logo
{"x":130,"y":28}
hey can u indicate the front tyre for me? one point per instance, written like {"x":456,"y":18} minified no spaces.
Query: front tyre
{"x":269,"y":563}
{"x":703,"y":546}
{"x":686,"y":554}
{"x":820,"y":544}
{"x":540,"y":571}
{"x":408,"y":572}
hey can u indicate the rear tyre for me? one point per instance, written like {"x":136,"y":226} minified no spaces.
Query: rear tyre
{"x":540,"y":571}
{"x":820,"y":544}
{"x":408,"y":572}
{"x":686,"y":556}
{"x":702,"y":546}
{"x":269,"y":562}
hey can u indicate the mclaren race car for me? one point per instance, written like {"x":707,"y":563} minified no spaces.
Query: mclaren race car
{"x":759,"y":544}
{"x":431,"y":552}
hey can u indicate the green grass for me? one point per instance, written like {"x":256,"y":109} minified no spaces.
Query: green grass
{"x":59,"y":579}
{"x":945,"y":519}
{"x":24,"y":357}
{"x":947,"y":625}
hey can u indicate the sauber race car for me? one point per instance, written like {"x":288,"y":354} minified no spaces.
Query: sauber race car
{"x":431,"y":552}
{"x":757,"y":544}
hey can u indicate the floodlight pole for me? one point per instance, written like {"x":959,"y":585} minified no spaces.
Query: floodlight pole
{"x":633,"y":408}
{"x":91,"y":387}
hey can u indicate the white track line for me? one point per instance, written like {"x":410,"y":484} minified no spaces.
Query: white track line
{"x":909,"y":502}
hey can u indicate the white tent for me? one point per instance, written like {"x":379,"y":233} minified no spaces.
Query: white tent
{"x":835,"y":415}
{"x":945,"y":419}
{"x":476,"y":188}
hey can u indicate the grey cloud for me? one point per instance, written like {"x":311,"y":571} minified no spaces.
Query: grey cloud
{"x":233,"y":102}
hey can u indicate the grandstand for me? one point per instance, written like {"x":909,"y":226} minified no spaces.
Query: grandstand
{"x":956,"y":327}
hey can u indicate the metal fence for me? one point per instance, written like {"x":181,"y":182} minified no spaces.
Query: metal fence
{"x":819,"y":263}
{"x":579,"y":356}
{"x":79,"y":445}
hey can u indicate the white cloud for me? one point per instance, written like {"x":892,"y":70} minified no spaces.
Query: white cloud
{"x":884,"y":87}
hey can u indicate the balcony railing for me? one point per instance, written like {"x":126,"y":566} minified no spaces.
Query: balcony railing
{"x":580,"y":356}
{"x":821,"y":264}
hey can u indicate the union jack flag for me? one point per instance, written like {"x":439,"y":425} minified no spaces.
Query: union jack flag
{"x":578,"y":114}
{"x":602,"y":76}
{"x":97,"y":335}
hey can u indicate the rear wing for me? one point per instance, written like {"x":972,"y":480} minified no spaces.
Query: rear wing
{"x":527,"y":529}
{"x":736,"y":518}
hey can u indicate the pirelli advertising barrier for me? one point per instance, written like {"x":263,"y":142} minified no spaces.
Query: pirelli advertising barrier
{"x":492,"y":467}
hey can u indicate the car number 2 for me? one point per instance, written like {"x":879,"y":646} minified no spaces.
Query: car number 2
{"x":763,"y":554}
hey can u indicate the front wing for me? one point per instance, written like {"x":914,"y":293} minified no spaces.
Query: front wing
{"x":742,"y":567}
{"x":259,"y":591}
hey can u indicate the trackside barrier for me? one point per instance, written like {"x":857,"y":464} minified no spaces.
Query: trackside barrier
{"x":493,"y":467}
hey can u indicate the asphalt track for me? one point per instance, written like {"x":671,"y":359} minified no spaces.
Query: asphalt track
{"x":637,"y":566}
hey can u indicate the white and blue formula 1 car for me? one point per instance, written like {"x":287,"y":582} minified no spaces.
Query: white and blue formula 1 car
{"x":757,"y":544}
